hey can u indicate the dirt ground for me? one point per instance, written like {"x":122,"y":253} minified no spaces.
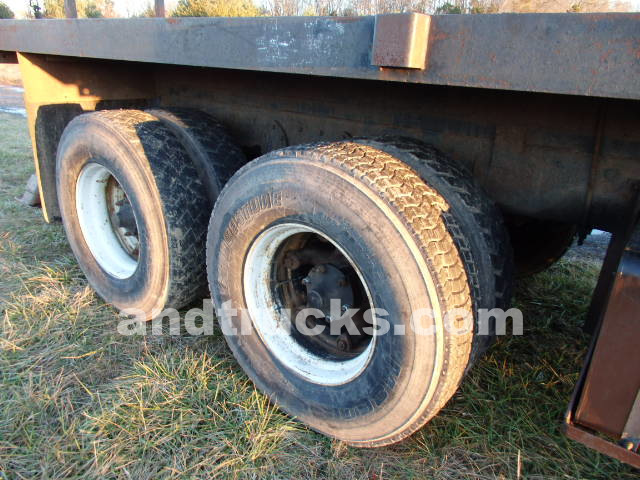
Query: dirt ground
{"x":10,"y":75}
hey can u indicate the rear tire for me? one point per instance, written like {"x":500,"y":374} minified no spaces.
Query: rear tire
{"x":402,"y":238}
{"x":482,"y":237}
{"x":159,"y":221}
{"x":214,"y":154}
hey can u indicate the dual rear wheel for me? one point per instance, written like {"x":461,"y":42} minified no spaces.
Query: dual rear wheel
{"x":135,"y":191}
{"x":347,"y":277}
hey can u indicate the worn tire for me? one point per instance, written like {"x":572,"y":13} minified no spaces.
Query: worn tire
{"x":473,"y":219}
{"x":213,"y":152}
{"x":167,"y":198}
{"x":396,"y":229}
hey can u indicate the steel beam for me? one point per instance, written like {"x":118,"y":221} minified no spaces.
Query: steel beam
{"x":578,"y":54}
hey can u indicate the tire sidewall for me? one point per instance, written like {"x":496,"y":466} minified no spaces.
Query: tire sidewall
{"x":88,"y":140}
{"x":403,"y":371}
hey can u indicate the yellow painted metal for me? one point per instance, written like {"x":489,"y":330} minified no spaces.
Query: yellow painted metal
{"x":51,"y":80}
{"x":43,"y":87}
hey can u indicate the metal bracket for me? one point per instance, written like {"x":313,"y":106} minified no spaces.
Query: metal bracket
{"x":611,"y":262}
{"x":631,"y":434}
{"x":608,"y":385}
{"x":401,"y":40}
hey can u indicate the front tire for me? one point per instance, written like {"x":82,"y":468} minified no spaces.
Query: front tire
{"x":388,"y":227}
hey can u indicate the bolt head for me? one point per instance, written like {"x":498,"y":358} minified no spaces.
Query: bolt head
{"x":343,"y":343}
{"x":310,"y":322}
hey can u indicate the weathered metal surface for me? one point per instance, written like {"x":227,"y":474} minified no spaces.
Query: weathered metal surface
{"x":609,"y":271}
{"x":631,"y":432}
{"x":579,"y":54}
{"x":605,"y":397}
{"x":400,"y":40}
{"x":602,"y":445}
{"x":613,"y":380}
{"x":531,"y":152}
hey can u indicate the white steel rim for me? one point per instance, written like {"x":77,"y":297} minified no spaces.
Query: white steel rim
{"x":95,"y":223}
{"x":273,"y":326}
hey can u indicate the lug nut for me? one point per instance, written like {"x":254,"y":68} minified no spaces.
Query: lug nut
{"x":343,"y":343}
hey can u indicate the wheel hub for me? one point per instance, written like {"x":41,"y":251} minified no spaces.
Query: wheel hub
{"x":107,"y":221}
{"x":122,"y":217}
{"x":290,"y":268}
{"x":324,"y":284}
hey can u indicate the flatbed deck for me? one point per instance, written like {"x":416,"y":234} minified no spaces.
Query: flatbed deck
{"x":577,"y":54}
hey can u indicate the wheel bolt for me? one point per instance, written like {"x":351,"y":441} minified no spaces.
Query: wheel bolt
{"x":344,"y":343}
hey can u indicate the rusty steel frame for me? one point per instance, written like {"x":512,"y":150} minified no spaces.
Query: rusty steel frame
{"x":535,"y":154}
{"x":573,"y":166}
{"x":586,"y":419}
{"x":577,"y":54}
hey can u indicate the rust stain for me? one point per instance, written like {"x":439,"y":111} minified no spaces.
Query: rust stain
{"x":605,"y":56}
{"x":437,"y":35}
{"x":596,"y":17}
{"x":173,"y":21}
{"x":346,"y":19}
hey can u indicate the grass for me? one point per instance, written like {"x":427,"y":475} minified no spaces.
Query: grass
{"x":80,"y":401}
